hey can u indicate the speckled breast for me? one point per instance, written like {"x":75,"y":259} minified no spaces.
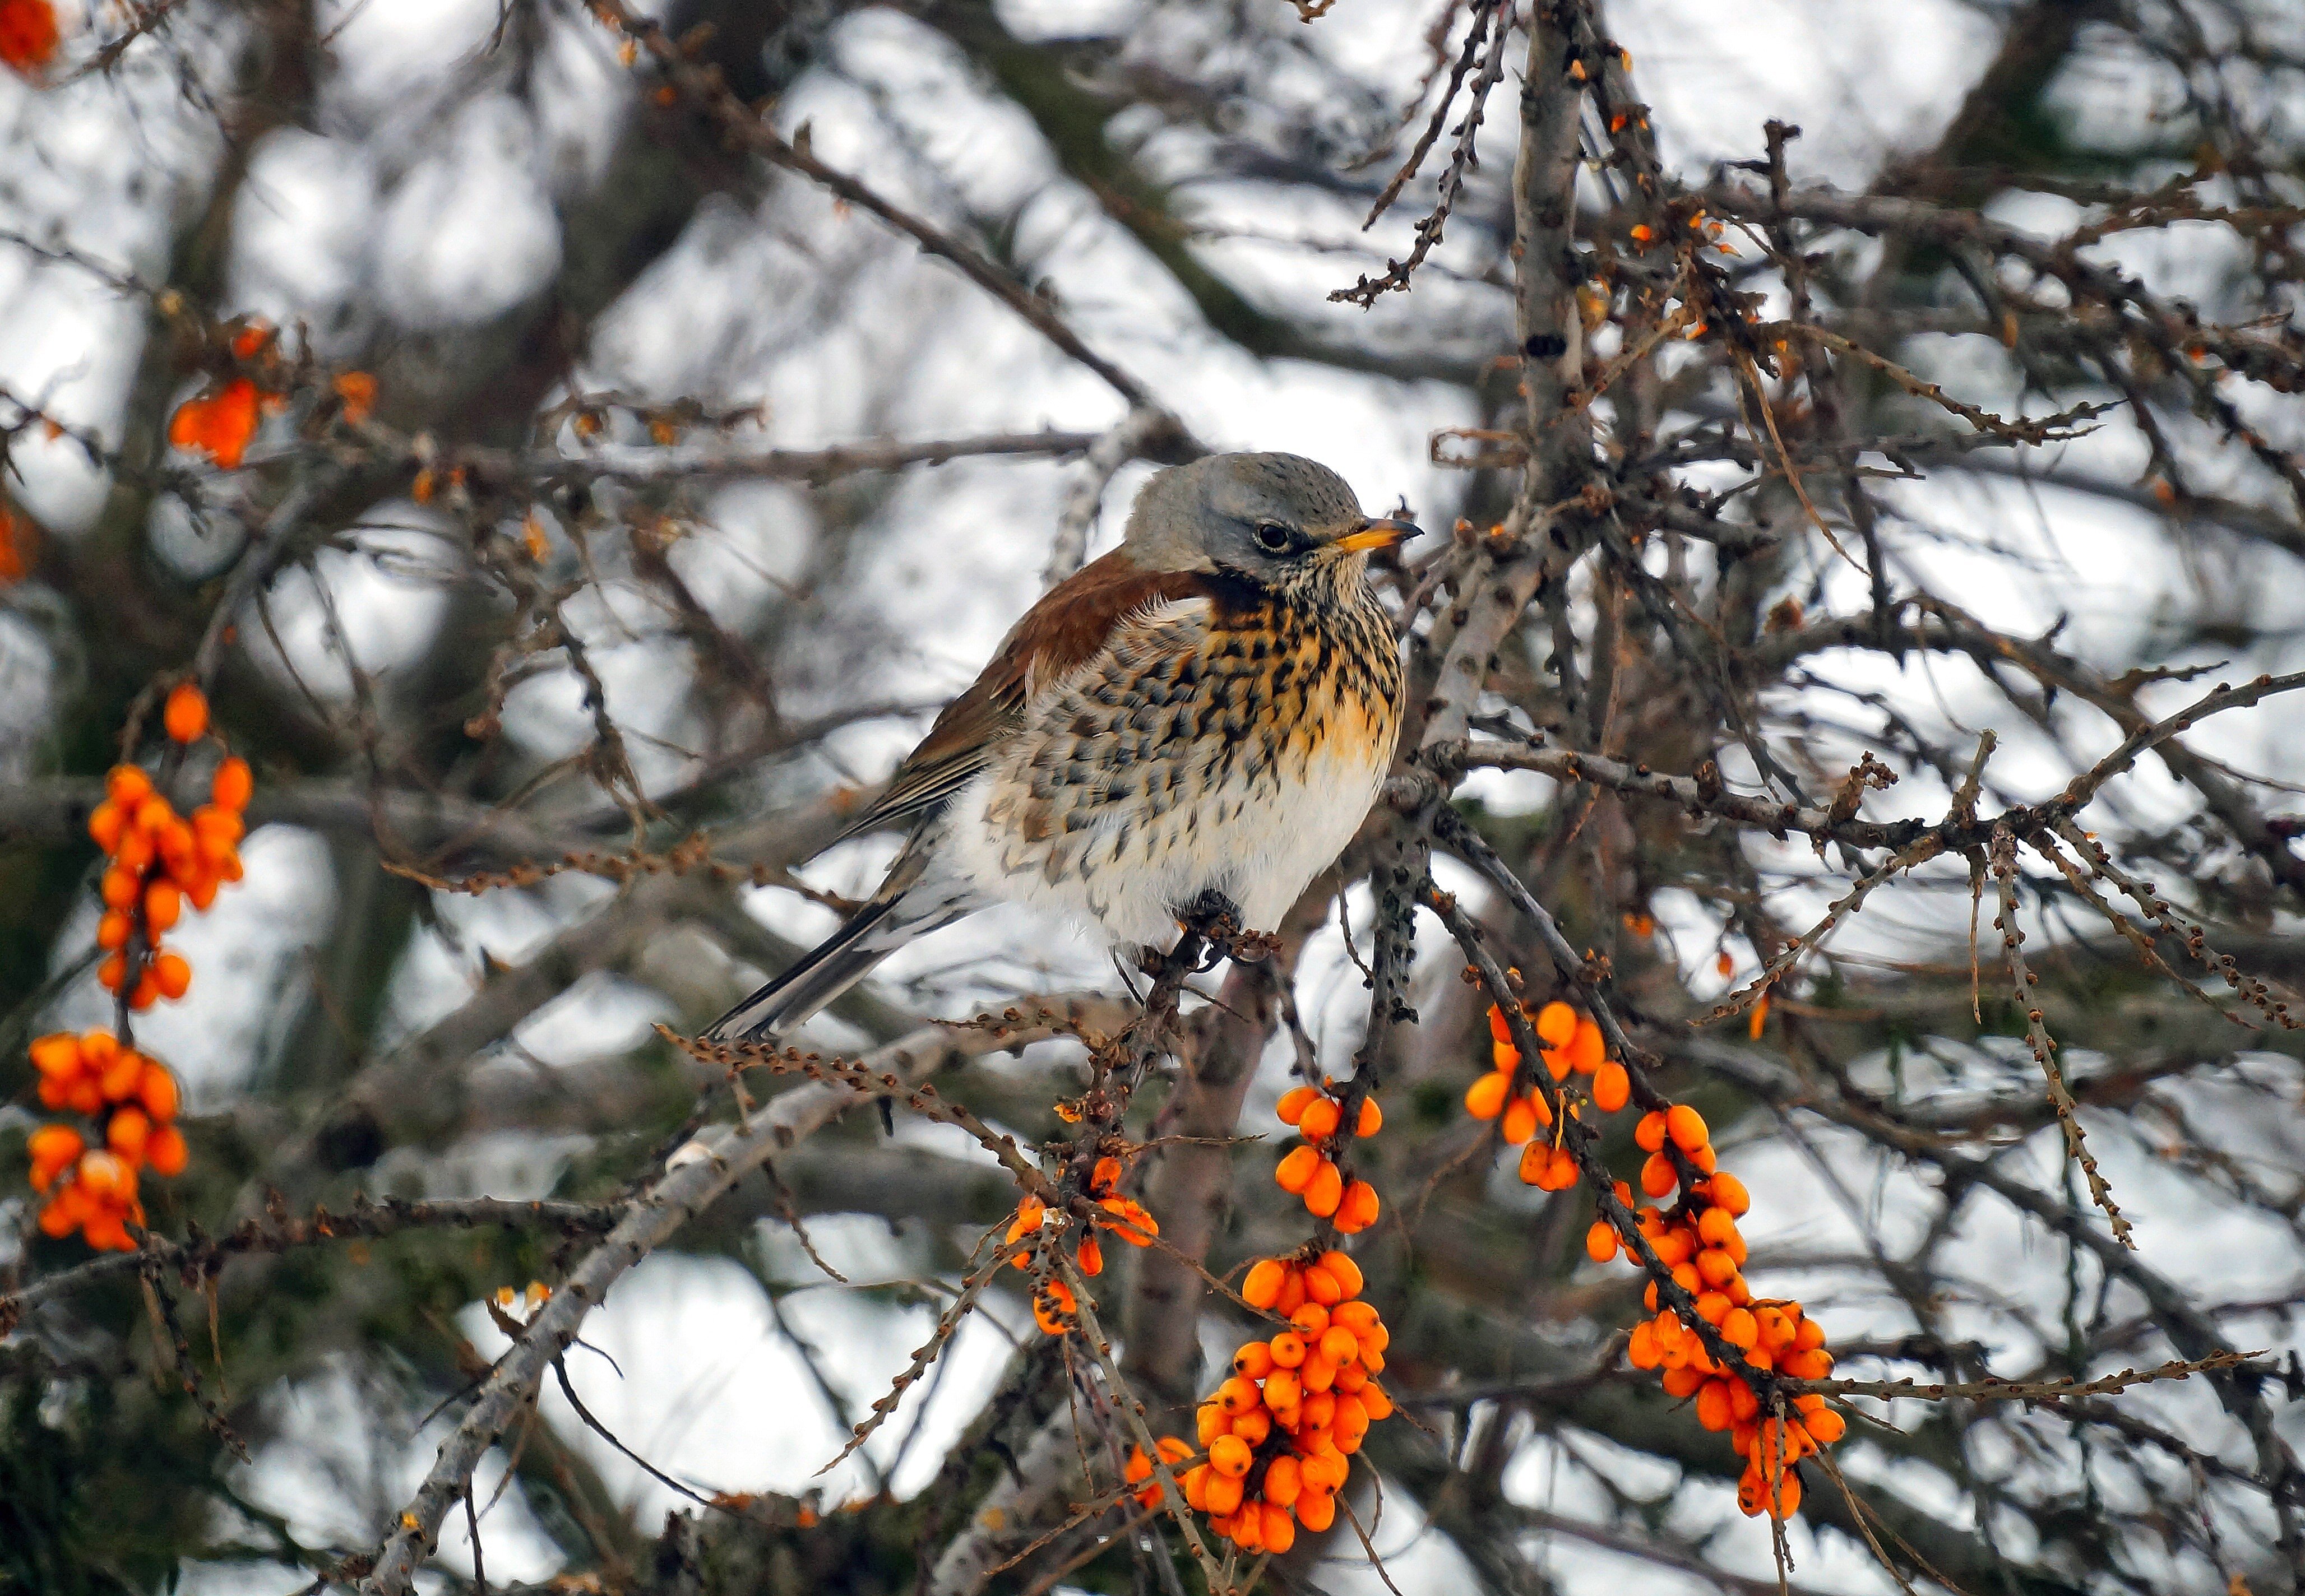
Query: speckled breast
{"x":1234,"y":751}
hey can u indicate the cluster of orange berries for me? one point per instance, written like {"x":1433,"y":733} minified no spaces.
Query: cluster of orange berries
{"x":1053,"y":1304}
{"x":1310,"y":1170}
{"x":221,"y":420}
{"x":161,"y":860}
{"x":1699,"y":1243}
{"x":134,"y":1100}
{"x":1697,"y":1240}
{"x":1573,"y":1045}
{"x":1278,"y":1432}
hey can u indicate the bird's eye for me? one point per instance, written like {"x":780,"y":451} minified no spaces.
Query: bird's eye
{"x":1273,"y":537}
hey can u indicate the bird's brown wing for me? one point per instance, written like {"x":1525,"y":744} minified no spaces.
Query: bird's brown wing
{"x":1066,"y":629}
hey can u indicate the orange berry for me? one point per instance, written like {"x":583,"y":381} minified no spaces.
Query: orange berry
{"x":1294,"y":1102}
{"x":1292,"y":1292}
{"x":1556,"y":1063}
{"x":164,"y":905}
{"x":1825,"y":1426}
{"x":1520,"y":1121}
{"x":1713,"y":1267}
{"x":1612,"y":1088}
{"x":1238,"y":1395}
{"x":1089,"y":1256}
{"x":1371,"y":1120}
{"x":1683,"y":1382}
{"x":1588,"y":1049}
{"x":1283,"y":1390}
{"x":57,"y":1053}
{"x":1658,"y":1176}
{"x":107,"y":1178}
{"x":1224,"y":1495}
{"x":126,"y":785}
{"x":1320,"y":1118}
{"x":1713,"y":1405}
{"x":156,"y":1088}
{"x":52,"y":1149}
{"x":1262,"y":1289}
{"x":1322,"y":1286}
{"x":1231,"y":1456}
{"x":1296,"y":1171}
{"x":1648,"y":1135}
{"x":1210,"y":1421}
{"x":1325,"y":1191}
{"x":1340,"y":1345}
{"x":1288,"y":1349}
{"x":1740,"y":1330}
{"x":186,"y":716}
{"x":1729,"y":1192}
{"x":233,"y":785}
{"x":172,"y":974}
{"x":164,"y":1150}
{"x":110,"y":974}
{"x":1485,"y":1098}
{"x":1644,"y":1352}
{"x":1253,"y":1359}
{"x":112,"y":930}
{"x":1195,"y":1484}
{"x":1714,"y":1226}
{"x":1601,"y":1241}
{"x":1310,"y":1319}
{"x":1713,"y":1307}
{"x":1808,"y":1334}
{"x":1281,"y":1482}
{"x":1104,"y":1175}
{"x":1556,"y":1024}
{"x":119,"y":888}
{"x":1279,"y":1529}
{"x":1316,"y":1511}
{"x":1347,"y":1277}
{"x":1500,"y":1029}
{"x":1359,"y":1208}
{"x":105,"y":824}
{"x":127,"y":1131}
{"x":1806,"y":1364}
{"x":1686,"y":1128}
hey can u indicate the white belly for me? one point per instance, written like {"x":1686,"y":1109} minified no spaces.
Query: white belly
{"x":1258,"y":840}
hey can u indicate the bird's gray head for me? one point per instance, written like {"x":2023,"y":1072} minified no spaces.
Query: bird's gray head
{"x":1278,"y":520}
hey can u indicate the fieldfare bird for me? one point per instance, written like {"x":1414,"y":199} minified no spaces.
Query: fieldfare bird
{"x":1201,"y":717}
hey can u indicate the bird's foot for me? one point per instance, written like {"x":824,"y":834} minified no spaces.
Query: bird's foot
{"x":1215,"y":919}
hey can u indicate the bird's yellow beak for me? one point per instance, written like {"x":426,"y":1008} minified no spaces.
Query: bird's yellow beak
{"x":1380,"y":534}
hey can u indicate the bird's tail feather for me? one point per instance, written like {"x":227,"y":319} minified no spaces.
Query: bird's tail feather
{"x":816,"y":978}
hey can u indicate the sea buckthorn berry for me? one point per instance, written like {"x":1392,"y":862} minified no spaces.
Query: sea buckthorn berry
{"x":1296,"y":1171}
{"x":1586,"y":1048}
{"x":1357,"y":1208}
{"x":1262,"y":1289}
{"x":1683,"y":1382}
{"x":164,"y":1150}
{"x":1238,"y":1395}
{"x":1310,"y":1319}
{"x":1485,"y":1098}
{"x":1340,"y":1345}
{"x":1556,"y":1024}
{"x":1371,"y":1120}
{"x":186,"y":716}
{"x":1231,"y":1456}
{"x":1713,"y":1405}
{"x":233,"y":785}
{"x":1686,"y":1128}
{"x":171,"y":975}
{"x":1739,"y":1330}
{"x":1325,"y":1191}
{"x":119,"y":888}
{"x":1281,"y":1482}
{"x":1316,"y":1511}
{"x":1089,"y":1256}
{"x":1729,"y":1192}
{"x":1658,"y":1176}
{"x":1252,"y":1361}
{"x":1601,"y":1241}
{"x":1294,"y":1102}
{"x":1279,"y":1529}
{"x":1714,"y":1226}
{"x":1210,"y":1421}
{"x":1224,"y":1495}
{"x":57,"y":1053}
{"x":1649,"y":1134}
{"x":1322,"y":1286}
{"x":1612,"y":1088}
{"x":1825,"y":1426}
{"x":52,"y":1149}
{"x":1519,"y":1121}
{"x":105,"y":824}
{"x":1500,"y":1029}
{"x":1713,"y":1267}
{"x":1253,"y":1426}
{"x":164,"y":902}
{"x":126,"y":785}
{"x":1347,"y":1275}
{"x":1320,"y":1120}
